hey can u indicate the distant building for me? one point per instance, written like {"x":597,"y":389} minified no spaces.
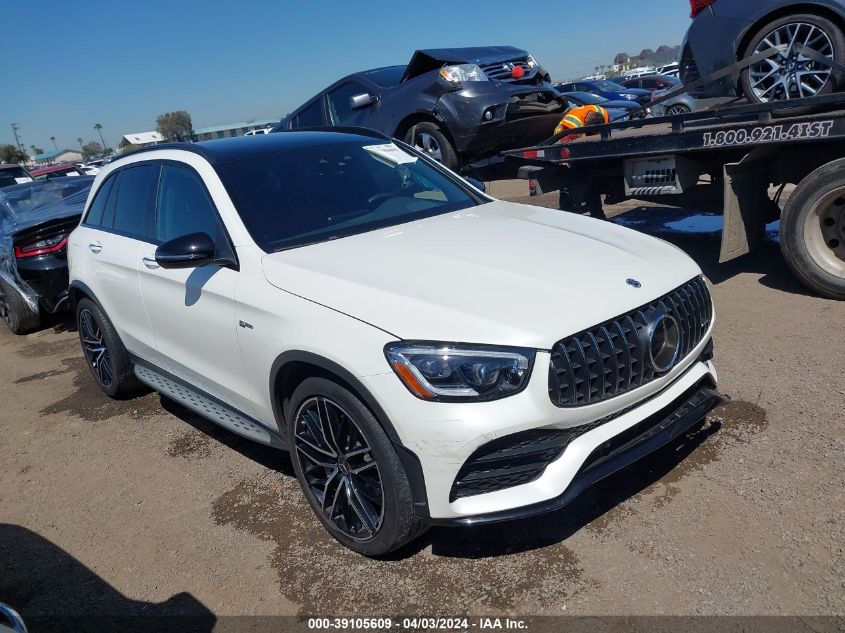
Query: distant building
{"x":141,"y":139}
{"x":232,"y":129}
{"x":60,"y":156}
{"x":648,"y":58}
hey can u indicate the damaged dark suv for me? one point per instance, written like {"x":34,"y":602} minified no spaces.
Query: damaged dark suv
{"x":456,"y":104}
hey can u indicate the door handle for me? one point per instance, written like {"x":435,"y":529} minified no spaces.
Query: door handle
{"x":150,"y":263}
{"x":95,"y":247}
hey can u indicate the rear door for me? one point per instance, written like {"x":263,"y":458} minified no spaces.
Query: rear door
{"x":192,"y":310}
{"x":114,"y":231}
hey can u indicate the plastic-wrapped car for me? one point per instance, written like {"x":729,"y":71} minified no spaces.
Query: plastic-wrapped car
{"x":35,"y":221}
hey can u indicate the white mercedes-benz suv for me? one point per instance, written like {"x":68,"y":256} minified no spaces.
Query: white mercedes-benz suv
{"x":427,"y":354}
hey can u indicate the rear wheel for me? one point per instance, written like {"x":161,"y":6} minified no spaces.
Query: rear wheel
{"x":349,"y":470}
{"x":16,"y":313}
{"x":793,"y":74}
{"x":430,"y":139}
{"x":104,"y":352}
{"x":813,"y":231}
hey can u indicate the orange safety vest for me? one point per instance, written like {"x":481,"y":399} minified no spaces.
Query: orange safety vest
{"x":577,"y":117}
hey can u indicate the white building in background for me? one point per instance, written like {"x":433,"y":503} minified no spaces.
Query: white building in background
{"x":141,"y":139}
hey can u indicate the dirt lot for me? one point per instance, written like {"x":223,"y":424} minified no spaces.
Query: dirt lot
{"x":140,"y":506}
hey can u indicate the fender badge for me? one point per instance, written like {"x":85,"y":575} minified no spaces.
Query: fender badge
{"x":633,"y":283}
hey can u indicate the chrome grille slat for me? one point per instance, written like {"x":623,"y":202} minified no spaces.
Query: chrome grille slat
{"x":610,"y":359}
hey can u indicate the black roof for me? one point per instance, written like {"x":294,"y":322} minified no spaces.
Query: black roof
{"x":225,"y":150}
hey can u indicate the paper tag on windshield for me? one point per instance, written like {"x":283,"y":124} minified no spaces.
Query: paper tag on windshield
{"x":21,"y":181}
{"x":391,"y":152}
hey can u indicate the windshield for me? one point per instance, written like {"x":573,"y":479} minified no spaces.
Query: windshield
{"x":322,"y":192}
{"x":609,"y":86}
{"x":586,"y":98}
{"x":390,"y":76}
{"x":12,"y":176}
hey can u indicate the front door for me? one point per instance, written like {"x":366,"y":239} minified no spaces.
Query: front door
{"x":192,"y":310}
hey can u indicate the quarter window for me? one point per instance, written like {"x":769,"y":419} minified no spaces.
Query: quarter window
{"x":136,"y":200}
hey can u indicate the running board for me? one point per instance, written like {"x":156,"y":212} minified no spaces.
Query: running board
{"x":208,"y":407}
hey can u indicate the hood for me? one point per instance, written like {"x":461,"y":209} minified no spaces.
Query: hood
{"x":424,"y":61}
{"x":500,"y":273}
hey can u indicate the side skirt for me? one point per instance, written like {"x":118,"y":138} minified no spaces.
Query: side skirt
{"x":206,"y":405}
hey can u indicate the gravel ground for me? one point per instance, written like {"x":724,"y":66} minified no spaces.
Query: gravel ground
{"x":142,"y":507}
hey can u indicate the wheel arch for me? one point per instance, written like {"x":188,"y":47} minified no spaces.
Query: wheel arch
{"x":422,"y":117}
{"x":294,"y":366}
{"x":78,"y":291}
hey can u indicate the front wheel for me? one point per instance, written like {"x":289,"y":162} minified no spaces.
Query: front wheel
{"x":813,"y":230}
{"x":792,"y":74}
{"x":349,"y":471}
{"x":429,"y":139}
{"x":678,"y":108}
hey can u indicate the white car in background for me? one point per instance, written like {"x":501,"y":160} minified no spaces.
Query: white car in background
{"x":427,"y":354}
{"x":258,"y":132}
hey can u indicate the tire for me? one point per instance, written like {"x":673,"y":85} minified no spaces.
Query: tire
{"x":430,"y":139}
{"x":372,"y":472}
{"x":15,"y":311}
{"x":104,"y":352}
{"x":812,"y":231}
{"x":759,"y":89}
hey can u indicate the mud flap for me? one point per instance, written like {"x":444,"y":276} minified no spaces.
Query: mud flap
{"x":747,"y":205}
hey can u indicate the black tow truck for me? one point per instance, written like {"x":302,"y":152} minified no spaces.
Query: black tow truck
{"x":734,"y":159}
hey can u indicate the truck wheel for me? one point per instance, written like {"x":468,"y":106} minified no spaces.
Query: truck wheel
{"x":791,"y":75}
{"x":104,"y":352}
{"x":429,"y":139}
{"x":812,"y":231}
{"x":15,"y":312}
{"x":349,"y":470}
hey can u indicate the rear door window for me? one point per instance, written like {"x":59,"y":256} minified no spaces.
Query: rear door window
{"x":136,"y":200}
{"x":312,"y":116}
{"x":101,"y":200}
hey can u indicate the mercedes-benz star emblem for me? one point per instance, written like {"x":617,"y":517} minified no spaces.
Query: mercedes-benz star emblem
{"x":663,"y":338}
{"x":633,"y":283}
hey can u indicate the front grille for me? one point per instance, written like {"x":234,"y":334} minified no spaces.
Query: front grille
{"x":502,"y":71}
{"x":610,"y":359}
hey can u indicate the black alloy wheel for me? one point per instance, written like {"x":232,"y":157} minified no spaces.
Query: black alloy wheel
{"x":339,"y":468}
{"x":95,"y":348}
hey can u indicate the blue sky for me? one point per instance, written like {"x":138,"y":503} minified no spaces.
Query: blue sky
{"x":123,"y":62}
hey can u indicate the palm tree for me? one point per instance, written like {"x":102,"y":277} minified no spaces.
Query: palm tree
{"x":79,"y":140}
{"x":56,"y":147}
{"x":99,"y":129}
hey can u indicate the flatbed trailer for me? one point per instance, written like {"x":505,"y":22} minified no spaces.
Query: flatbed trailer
{"x":724,"y":160}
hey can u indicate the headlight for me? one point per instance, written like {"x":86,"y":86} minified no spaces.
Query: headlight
{"x":463,"y":72}
{"x":532,"y":63}
{"x":447,"y":372}
{"x":630,"y":97}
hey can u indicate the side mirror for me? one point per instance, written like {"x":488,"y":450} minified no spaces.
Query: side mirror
{"x":189,"y":251}
{"x":361,"y":101}
{"x":477,"y":184}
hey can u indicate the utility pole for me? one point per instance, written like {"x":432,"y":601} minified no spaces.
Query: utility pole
{"x":15,"y":129}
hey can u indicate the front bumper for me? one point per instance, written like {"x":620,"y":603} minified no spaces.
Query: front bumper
{"x":443,"y":436}
{"x":520,"y":115}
